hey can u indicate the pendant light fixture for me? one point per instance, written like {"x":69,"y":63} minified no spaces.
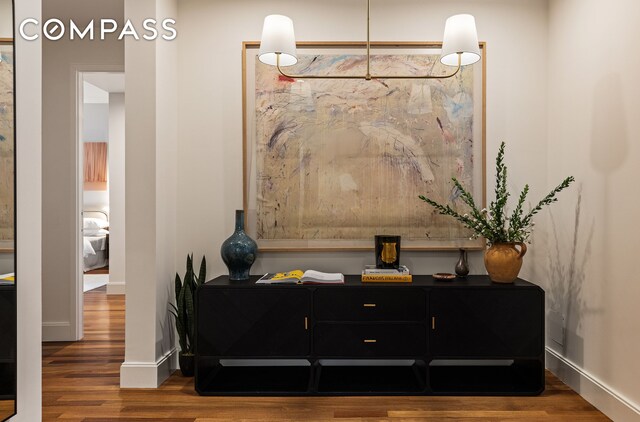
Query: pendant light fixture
{"x":459,"y":47}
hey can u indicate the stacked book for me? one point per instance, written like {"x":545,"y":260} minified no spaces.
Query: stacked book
{"x":371,"y":274}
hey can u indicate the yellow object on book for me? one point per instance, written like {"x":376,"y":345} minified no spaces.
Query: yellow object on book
{"x":7,"y":279}
{"x":297,"y":276}
{"x":291,"y":274}
{"x":289,"y":277}
{"x":386,"y":278}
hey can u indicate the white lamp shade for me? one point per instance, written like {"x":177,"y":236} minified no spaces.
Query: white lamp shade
{"x":278,"y":38}
{"x":460,"y":36}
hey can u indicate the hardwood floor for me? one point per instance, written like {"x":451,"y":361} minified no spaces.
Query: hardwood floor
{"x":80,"y":383}
{"x":7,"y":408}
{"x":103,"y":270}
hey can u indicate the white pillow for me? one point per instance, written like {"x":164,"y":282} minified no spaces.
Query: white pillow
{"x":95,"y":232}
{"x":95,"y":223}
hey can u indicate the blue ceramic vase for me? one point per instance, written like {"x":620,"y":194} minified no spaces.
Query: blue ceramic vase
{"x":239,"y":251}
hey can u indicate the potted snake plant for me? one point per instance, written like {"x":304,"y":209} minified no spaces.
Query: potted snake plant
{"x":184,"y":313}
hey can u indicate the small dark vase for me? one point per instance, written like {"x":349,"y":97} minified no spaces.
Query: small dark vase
{"x":462,"y":268}
{"x":186,"y":364}
{"x":239,"y":251}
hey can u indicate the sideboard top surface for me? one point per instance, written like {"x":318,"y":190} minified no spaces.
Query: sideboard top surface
{"x":476,"y":281}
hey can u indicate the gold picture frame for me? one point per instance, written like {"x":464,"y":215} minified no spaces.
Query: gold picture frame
{"x":278,"y":224}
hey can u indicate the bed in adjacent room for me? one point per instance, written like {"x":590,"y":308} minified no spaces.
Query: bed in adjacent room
{"x":96,"y":240}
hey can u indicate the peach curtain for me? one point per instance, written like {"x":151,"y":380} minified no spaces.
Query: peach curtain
{"x":95,"y":161}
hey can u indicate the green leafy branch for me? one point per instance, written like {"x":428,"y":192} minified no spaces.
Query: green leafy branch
{"x":549,"y":199}
{"x":497,"y":207}
{"x":494,"y":225}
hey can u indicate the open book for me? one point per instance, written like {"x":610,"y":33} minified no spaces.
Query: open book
{"x":6,"y":279}
{"x":297,"y":276}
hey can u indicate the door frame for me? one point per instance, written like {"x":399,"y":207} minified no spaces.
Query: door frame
{"x":77,"y":298}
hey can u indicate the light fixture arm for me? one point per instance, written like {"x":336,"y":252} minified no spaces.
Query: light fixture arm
{"x":368,"y":76}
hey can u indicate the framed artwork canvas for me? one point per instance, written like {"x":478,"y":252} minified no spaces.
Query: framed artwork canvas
{"x":7,"y":147}
{"x":328,"y":163}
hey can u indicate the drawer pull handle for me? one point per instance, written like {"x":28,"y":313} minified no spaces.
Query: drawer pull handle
{"x":433,"y":323}
{"x":369,"y":305}
{"x":306,"y":323}
{"x":367,"y":340}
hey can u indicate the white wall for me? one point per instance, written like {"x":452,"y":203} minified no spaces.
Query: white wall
{"x":116,"y":194}
{"x":95,"y":122}
{"x":61,"y":61}
{"x":6,"y":263}
{"x":166,"y":187}
{"x":28,"y":207}
{"x":151,"y":167}
{"x":96,"y":200}
{"x":594,"y":100}
{"x":92,"y":94}
{"x":210,"y":106}
{"x":95,"y":128}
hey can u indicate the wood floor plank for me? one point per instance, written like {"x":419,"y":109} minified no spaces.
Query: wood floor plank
{"x":81,"y":384}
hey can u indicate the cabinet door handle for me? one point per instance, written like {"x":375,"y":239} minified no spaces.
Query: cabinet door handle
{"x":370,"y":340}
{"x":306,"y":323}
{"x":369,"y":305}
{"x":433,"y":323}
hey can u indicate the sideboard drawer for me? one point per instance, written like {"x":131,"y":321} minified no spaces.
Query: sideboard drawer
{"x":369,"y":340}
{"x":370,"y":304}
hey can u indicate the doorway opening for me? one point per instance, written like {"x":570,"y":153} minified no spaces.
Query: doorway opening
{"x":101,"y":173}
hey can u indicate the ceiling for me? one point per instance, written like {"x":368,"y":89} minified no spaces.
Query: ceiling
{"x":106,"y":81}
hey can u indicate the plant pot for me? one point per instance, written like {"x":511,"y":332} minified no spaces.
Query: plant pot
{"x":187,"y":362}
{"x":503,"y":261}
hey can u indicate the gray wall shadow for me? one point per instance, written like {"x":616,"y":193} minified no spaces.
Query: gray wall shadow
{"x":568,"y":269}
{"x":609,"y":152}
{"x":565,"y":294}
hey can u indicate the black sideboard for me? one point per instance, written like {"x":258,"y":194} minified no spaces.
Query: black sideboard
{"x":7,"y":342}
{"x":463,"y":337}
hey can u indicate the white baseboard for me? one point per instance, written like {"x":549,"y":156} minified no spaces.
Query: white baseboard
{"x":57,"y":331}
{"x":606,"y":399}
{"x":148,"y":374}
{"x":115,"y":287}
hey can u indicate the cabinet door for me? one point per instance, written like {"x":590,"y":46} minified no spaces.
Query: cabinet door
{"x":499,"y":323}
{"x":253,"y":322}
{"x":7,"y":326}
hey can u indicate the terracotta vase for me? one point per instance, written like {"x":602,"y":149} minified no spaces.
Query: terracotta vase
{"x":503,"y":261}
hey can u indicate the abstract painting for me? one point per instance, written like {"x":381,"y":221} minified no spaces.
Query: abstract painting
{"x":336,"y":161}
{"x":6,"y":147}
